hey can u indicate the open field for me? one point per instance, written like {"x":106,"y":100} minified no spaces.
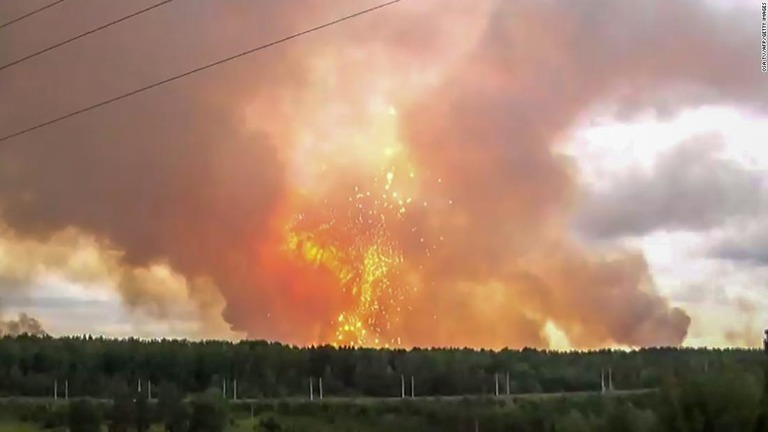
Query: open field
{"x":303,"y":414}
{"x":364,"y":399}
{"x":440,"y":399}
{"x":15,"y":426}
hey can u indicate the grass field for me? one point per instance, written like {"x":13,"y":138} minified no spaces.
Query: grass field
{"x":14,"y":426}
{"x":363,"y":400}
{"x":242,"y":425}
{"x":331,"y":414}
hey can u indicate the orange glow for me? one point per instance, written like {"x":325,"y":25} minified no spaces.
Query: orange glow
{"x":353,"y":242}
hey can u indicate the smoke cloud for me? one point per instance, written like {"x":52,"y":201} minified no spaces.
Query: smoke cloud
{"x":203,"y":191}
{"x":689,"y":187}
{"x":155,"y":291}
{"x":25,"y":324}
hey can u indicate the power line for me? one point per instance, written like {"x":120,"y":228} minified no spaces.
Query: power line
{"x":199,"y":69}
{"x":84,"y":34}
{"x":30,"y":14}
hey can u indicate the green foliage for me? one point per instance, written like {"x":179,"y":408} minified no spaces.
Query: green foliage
{"x":121,"y":413}
{"x":727,"y":401}
{"x":699,"y":390}
{"x":13,"y":426}
{"x":54,"y":417}
{"x":209,"y":413}
{"x":98,"y":367}
{"x":573,"y":421}
{"x":143,"y":414}
{"x":84,"y":416}
{"x":269,"y":424}
{"x":171,"y":410}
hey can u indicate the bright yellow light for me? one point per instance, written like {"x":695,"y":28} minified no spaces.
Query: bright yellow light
{"x":357,"y":137}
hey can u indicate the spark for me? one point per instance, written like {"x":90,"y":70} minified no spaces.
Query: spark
{"x":390,"y":177}
{"x":352,"y":237}
{"x":364,"y":269}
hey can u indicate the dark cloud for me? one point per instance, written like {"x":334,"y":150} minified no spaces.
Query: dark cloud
{"x":746,"y":243}
{"x":689,"y":187}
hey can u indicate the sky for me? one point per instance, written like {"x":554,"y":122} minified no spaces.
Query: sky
{"x":434,"y":173}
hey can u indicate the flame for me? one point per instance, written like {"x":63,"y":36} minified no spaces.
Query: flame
{"x":350,"y":141}
{"x":359,"y":251}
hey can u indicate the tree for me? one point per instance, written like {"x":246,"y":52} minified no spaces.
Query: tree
{"x":270,"y":424}
{"x":84,"y":416}
{"x":178,"y":420}
{"x":143,"y":414}
{"x":209,"y":413}
{"x":719,"y":402}
{"x":572,"y":422}
{"x":171,"y":409}
{"x":761,"y":422}
{"x":643,"y":421}
{"x":122,"y":412}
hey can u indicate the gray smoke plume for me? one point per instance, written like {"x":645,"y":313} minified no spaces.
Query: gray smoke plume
{"x":194,"y":177}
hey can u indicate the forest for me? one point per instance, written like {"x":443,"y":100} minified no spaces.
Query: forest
{"x":95,"y":367}
{"x":184,"y":386}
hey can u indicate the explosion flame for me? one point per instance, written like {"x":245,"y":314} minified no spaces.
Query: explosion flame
{"x":398,"y":180}
{"x":353,"y":241}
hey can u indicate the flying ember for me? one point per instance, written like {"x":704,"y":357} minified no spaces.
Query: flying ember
{"x":355,"y":245}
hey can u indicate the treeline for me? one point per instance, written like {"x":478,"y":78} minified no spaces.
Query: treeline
{"x":724,"y":401}
{"x":96,"y":367}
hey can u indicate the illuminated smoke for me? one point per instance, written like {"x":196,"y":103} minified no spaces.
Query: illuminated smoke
{"x":391,"y":181}
{"x":156,"y":293}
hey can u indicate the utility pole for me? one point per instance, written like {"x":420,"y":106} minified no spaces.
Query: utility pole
{"x":224,"y":388}
{"x":496,"y":380}
{"x":149,"y":389}
{"x":508,"y":391}
{"x":234,"y":389}
{"x":66,"y":389}
{"x":610,"y":379}
{"x":402,"y":387}
{"x":311,"y":390}
{"x":55,"y":390}
{"x":602,"y":381}
{"x":413,"y":388}
{"x":138,"y":386}
{"x":320,"y":385}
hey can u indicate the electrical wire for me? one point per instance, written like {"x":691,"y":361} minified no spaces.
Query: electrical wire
{"x":196,"y":70}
